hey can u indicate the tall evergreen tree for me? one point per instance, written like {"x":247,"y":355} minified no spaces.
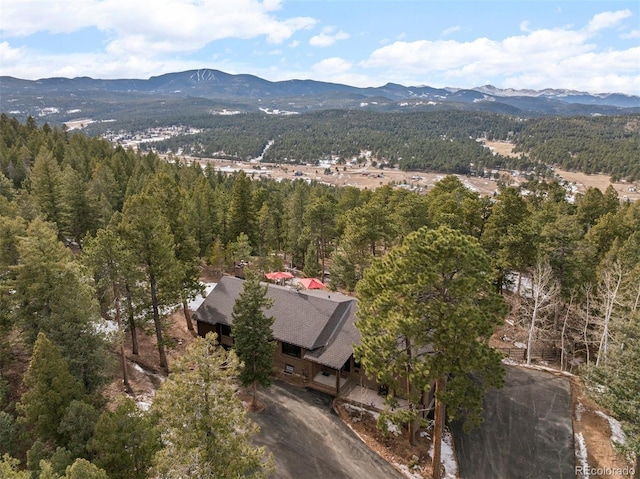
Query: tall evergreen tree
{"x":79,"y":216}
{"x":294,"y":222}
{"x":202,"y":215}
{"x":508,"y":235}
{"x":46,"y":188}
{"x":53,"y":295}
{"x":253,"y":335}
{"x":241,"y":216}
{"x":124,"y":441}
{"x":83,"y":469}
{"x":49,"y":390}
{"x":204,"y":428}
{"x":152,"y":244}
{"x":112,"y":264}
{"x":319,"y":226}
{"x":426,"y":312}
{"x":171,"y":201}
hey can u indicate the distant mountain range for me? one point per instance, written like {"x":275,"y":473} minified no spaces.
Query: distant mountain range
{"x":63,"y":99}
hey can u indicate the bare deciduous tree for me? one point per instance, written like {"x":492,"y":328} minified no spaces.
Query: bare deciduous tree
{"x":542,"y":296}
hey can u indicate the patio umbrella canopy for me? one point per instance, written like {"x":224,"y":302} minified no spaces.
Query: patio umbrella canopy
{"x":312,"y":283}
{"x":279,"y":275}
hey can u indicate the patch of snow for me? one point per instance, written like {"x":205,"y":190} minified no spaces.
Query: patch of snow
{"x":447,"y":457}
{"x":548,"y":369}
{"x":520,"y":345}
{"x":579,"y":411}
{"x":390,"y":426}
{"x":140,"y":369}
{"x":617,"y":434}
{"x":408,"y":473}
{"x":581,"y":454}
{"x":106,"y":327}
{"x":537,"y":367}
{"x":198,"y":300}
{"x":361,"y":410}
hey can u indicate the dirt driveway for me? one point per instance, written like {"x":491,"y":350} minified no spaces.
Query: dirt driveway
{"x":309,"y":441}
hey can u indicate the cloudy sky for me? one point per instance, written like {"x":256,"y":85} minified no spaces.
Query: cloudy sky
{"x":578,"y":44}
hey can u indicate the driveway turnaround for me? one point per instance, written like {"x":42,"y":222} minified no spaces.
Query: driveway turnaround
{"x":308,"y":440}
{"x":527,"y":431}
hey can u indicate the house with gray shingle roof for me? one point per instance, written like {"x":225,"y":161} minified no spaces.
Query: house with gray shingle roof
{"x":315,"y":332}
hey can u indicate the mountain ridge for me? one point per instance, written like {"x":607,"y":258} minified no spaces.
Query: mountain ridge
{"x":59,"y":94}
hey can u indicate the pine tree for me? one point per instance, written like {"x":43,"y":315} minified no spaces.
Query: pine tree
{"x":426,"y":312}
{"x":46,"y":187}
{"x":83,"y":469}
{"x":241,"y":216}
{"x":53,"y":295}
{"x":9,"y":468}
{"x":49,"y":390}
{"x":153,"y":248}
{"x":202,"y":215}
{"x":124,"y":441}
{"x":204,"y":428}
{"x":170,"y":199}
{"x":253,"y":335}
{"x":78,"y":215}
{"x":296,"y":242}
{"x":111,"y":262}
{"x":312,"y":268}
{"x":319,"y":220}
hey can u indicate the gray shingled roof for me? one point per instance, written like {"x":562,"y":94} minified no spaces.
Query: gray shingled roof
{"x":319,"y":321}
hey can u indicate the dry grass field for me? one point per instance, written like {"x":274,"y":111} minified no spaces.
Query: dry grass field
{"x":626,"y":191}
{"x":366,"y":177}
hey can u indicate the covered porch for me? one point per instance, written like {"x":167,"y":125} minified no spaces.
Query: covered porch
{"x":368,"y":397}
{"x":330,"y":382}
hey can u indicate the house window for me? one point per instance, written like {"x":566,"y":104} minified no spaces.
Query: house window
{"x":291,"y":350}
{"x":225,"y":330}
{"x":288,"y":369}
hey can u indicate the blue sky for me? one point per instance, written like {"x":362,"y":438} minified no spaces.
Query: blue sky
{"x":578,"y":44}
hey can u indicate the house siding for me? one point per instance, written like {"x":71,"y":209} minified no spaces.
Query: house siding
{"x":204,"y":328}
{"x":301,"y":367}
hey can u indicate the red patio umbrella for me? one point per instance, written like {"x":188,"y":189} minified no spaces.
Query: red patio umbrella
{"x":279,"y":275}
{"x":311,"y":283}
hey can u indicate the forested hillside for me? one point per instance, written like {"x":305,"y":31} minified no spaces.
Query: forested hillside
{"x":89,"y":231}
{"x":440,"y":141}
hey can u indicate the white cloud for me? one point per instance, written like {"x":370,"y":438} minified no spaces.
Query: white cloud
{"x":338,"y":70}
{"x":535,"y":59}
{"x":327,"y":37}
{"x":25,"y":63}
{"x":332,"y":66}
{"x":525,"y":26}
{"x":150,"y":37}
{"x":607,"y":20}
{"x":450,"y":30}
{"x":630,"y":35}
{"x":153,"y":25}
{"x":10,"y":55}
